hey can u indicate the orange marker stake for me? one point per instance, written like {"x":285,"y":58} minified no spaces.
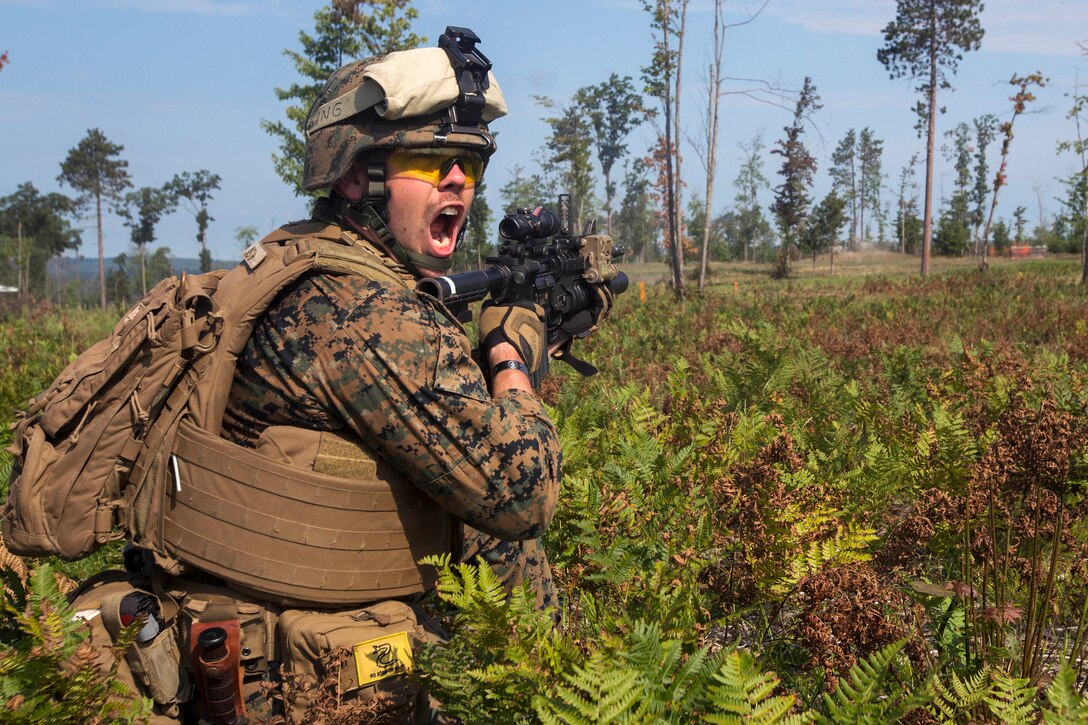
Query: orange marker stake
{"x":641,"y":291}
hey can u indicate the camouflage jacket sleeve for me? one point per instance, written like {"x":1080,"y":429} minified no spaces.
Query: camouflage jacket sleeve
{"x":389,"y":366}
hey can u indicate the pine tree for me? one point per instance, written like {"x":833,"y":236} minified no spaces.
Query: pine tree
{"x":95,"y":169}
{"x":791,"y":197}
{"x":926,"y":42}
{"x":344,"y":30}
{"x":749,"y":182}
{"x":142,"y":210}
{"x":194,"y":192}
{"x":870,"y":175}
{"x":844,"y":179}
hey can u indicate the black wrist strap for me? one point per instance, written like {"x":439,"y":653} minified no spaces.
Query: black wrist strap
{"x":510,"y":365}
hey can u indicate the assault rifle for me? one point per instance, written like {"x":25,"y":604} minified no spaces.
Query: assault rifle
{"x":541,"y":262}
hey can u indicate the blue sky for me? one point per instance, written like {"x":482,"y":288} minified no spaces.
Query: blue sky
{"x":183,"y":85}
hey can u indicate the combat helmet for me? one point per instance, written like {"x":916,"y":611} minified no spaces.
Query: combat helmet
{"x":421,"y":98}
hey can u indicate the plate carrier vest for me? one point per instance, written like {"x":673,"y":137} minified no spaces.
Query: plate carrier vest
{"x":307,"y":518}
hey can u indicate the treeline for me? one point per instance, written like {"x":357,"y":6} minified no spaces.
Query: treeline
{"x":36,"y":228}
{"x":645,"y":198}
{"x":866,"y":206}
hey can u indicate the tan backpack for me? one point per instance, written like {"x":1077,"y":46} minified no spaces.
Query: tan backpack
{"x":83,"y":448}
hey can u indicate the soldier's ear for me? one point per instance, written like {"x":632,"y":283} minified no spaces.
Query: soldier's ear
{"x":352,"y":184}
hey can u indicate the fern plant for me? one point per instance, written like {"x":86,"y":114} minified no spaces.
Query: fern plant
{"x":52,"y":674}
{"x":1068,"y":705}
{"x":863,"y":697}
{"x":1012,"y":699}
{"x":743,"y":694}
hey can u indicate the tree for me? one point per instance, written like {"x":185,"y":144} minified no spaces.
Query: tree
{"x":1019,"y":215}
{"x":792,"y":199}
{"x":95,"y":169}
{"x":117,"y":280}
{"x":749,"y":182}
{"x":35,"y":228}
{"x":566,"y":158}
{"x":959,"y":154}
{"x":637,"y":224}
{"x":1001,"y":237}
{"x":344,"y":30}
{"x":821,"y":231}
{"x":142,"y":210}
{"x":844,"y":179}
{"x":1020,"y":99}
{"x":159,"y":266}
{"x":1076,"y":201}
{"x":870,"y":177}
{"x":194,"y":191}
{"x":909,"y":225}
{"x":477,"y":242}
{"x":985,"y":129}
{"x":926,"y":42}
{"x":521,"y":191}
{"x":906,"y":181}
{"x":613,"y":109}
{"x":710,"y":157}
{"x":714,"y":227}
{"x":662,"y":79}
{"x":245,"y":236}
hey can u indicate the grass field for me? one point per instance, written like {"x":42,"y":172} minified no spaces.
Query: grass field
{"x":856,"y":497}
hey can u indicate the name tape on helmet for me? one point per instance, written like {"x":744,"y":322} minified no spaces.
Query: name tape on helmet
{"x":405,"y":84}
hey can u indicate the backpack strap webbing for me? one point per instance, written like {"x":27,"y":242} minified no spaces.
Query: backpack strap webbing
{"x":242,"y":296}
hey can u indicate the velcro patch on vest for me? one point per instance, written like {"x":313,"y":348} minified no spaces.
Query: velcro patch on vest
{"x":383,"y":657}
{"x":339,"y":457}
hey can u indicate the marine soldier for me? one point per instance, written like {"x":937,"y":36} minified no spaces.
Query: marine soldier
{"x":373,"y":358}
{"x":350,"y":375}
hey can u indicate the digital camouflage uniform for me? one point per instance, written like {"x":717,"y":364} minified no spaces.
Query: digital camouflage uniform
{"x":376,"y":360}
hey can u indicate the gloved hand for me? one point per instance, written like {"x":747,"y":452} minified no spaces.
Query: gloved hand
{"x":522,"y":325}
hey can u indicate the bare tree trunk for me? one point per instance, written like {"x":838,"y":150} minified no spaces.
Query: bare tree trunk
{"x":101,"y":254}
{"x":1084,"y":245}
{"x":676,"y":176}
{"x":927,"y":217}
{"x":19,"y":255}
{"x":714,"y":98}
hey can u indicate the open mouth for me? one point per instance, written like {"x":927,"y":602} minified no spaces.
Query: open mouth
{"x":444,"y":229}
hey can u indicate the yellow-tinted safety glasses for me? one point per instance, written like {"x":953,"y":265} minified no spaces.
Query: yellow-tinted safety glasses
{"x":432,"y":165}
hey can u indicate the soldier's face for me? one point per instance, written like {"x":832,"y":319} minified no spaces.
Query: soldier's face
{"x":427,"y":218}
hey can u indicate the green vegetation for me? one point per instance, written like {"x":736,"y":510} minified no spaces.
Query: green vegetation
{"x":832,"y":499}
{"x":872,"y":486}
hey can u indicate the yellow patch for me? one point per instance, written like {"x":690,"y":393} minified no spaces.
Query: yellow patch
{"x":383,"y":657}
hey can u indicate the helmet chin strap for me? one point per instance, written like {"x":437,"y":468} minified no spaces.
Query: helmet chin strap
{"x":370,"y":211}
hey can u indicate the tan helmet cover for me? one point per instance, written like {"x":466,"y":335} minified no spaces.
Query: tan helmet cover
{"x":394,"y":101}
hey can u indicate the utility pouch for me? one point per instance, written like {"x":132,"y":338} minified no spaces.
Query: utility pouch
{"x":154,"y":658}
{"x":249,"y":625}
{"x":365,"y":654}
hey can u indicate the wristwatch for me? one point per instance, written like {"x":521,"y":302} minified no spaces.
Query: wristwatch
{"x":510,"y":365}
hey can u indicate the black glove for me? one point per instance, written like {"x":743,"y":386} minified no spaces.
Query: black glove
{"x":522,"y":325}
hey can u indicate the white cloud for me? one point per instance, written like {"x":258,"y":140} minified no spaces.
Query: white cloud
{"x":1043,"y":27}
